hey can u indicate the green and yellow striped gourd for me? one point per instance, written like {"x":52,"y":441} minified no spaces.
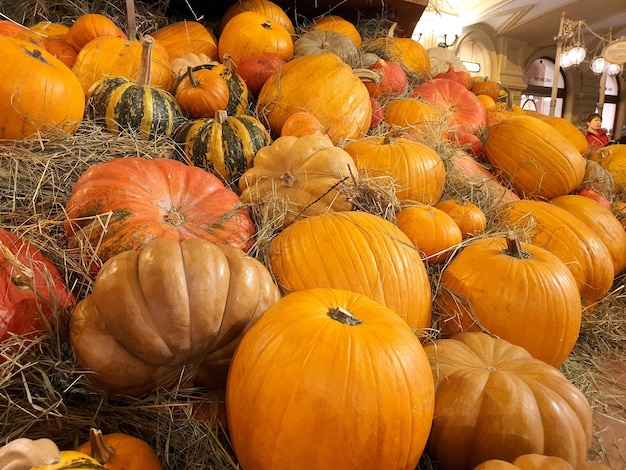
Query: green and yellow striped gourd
{"x":122,"y":104}
{"x":224,"y":145}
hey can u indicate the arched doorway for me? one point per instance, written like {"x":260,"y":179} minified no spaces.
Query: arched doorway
{"x":538,"y":92}
{"x":475,"y":57}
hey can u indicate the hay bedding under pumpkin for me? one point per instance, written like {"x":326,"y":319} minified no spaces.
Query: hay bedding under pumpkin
{"x":43,"y":393}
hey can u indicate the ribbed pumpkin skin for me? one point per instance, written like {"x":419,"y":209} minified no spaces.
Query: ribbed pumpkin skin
{"x":571,"y":240}
{"x":372,"y":380}
{"x":539,"y":162}
{"x":153,"y":198}
{"x":116,"y":57}
{"x":568,"y":130}
{"x":264,"y":7}
{"x":418,"y":170}
{"x":122,"y":105}
{"x":168,"y":305}
{"x":224,"y":145}
{"x":186,"y":36}
{"x":355,"y":251}
{"x":325,"y":86}
{"x":532,"y":301}
{"x":494,"y":401}
{"x":602,"y":221}
{"x":420,"y":119}
{"x":37,"y":92}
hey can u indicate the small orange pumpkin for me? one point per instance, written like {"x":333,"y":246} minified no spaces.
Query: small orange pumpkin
{"x":301,"y":123}
{"x":202,"y":92}
{"x":468,"y":216}
{"x":120,"y":451}
{"x":91,"y":26}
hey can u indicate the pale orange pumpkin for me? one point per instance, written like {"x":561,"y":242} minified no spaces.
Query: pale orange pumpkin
{"x":421,"y":119}
{"x":301,"y":123}
{"x":406,"y":51}
{"x":186,"y":36}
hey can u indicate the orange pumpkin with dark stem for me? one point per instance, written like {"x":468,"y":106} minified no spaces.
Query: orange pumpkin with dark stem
{"x":363,"y":366}
{"x":201,"y":93}
{"x":530,"y":406}
{"x":355,"y":251}
{"x":138,"y":199}
{"x":536,"y":306}
{"x":120,"y":451}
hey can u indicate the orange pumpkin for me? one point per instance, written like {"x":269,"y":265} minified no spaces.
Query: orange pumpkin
{"x":538,"y":462}
{"x":494,"y":401}
{"x":470,"y":218}
{"x":487,"y":87}
{"x":186,"y":36}
{"x":433,"y":232}
{"x":91,"y":26}
{"x":62,"y":50}
{"x":202,"y":92}
{"x":249,"y":33}
{"x":539,"y":162}
{"x":265,"y":7}
{"x":333,"y":94}
{"x":301,"y":123}
{"x":355,"y":251}
{"x":420,"y":119}
{"x":120,"y":451}
{"x":417,"y":170}
{"x":536,"y":304}
{"x":38,"y":93}
{"x":406,"y":51}
{"x":339,"y":25}
{"x":363,"y":366}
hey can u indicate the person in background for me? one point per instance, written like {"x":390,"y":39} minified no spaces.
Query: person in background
{"x":596,"y":136}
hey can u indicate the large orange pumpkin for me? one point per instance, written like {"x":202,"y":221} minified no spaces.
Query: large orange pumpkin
{"x":494,"y":401}
{"x":538,"y":161}
{"x":613,"y":159}
{"x":355,"y":251}
{"x":406,"y":51}
{"x":186,"y":36}
{"x":538,"y":462}
{"x":265,"y":7}
{"x":333,"y":370}
{"x":123,"y":203}
{"x":517,"y":291}
{"x":417,"y":170}
{"x":325,"y":86}
{"x":38,"y":93}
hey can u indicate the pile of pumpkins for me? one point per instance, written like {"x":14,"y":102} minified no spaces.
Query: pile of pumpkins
{"x":323,"y":348}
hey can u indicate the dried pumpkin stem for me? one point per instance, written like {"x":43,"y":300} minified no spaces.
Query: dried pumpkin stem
{"x":145,"y":65}
{"x":343,"y":316}
{"x":367,"y":75}
{"x":100,"y":449}
{"x":514,"y":247}
{"x":21,"y":276}
{"x":131,"y":19}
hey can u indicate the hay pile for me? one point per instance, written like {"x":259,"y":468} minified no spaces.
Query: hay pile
{"x":43,"y":393}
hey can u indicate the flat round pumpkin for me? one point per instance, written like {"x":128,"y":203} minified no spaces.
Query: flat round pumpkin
{"x":123,"y":203}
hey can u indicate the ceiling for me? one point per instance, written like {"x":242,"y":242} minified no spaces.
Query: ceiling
{"x":536,"y":22}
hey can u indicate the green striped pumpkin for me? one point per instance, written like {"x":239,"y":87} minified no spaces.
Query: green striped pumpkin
{"x":223,"y":145}
{"x":122,"y":104}
{"x":238,"y":93}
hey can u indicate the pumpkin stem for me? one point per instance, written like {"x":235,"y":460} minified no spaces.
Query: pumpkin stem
{"x":514,"y":246}
{"x":287,"y":179}
{"x":145,"y":65}
{"x":192,"y":77}
{"x":368,"y":75}
{"x":392,"y":30}
{"x":343,"y":316}
{"x":267,"y":24}
{"x":227,"y":61}
{"x":21,"y":276}
{"x":100,"y":449}
{"x":220,"y":116}
{"x":174,"y":218}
